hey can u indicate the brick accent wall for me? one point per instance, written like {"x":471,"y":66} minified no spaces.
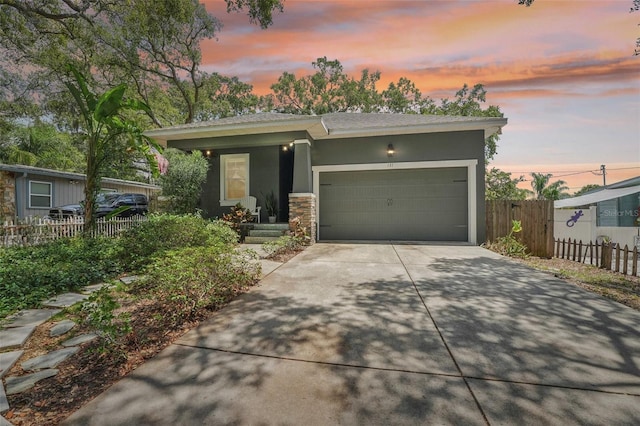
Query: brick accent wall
{"x":7,"y":196}
{"x":303,"y":205}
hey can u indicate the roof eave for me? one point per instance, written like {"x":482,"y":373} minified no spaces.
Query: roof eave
{"x":312,"y":124}
{"x":490,"y":127}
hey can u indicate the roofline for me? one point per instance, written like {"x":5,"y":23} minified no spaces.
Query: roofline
{"x":490,"y":126}
{"x":312,"y":124}
{"x":317,"y":129}
{"x":19,"y":168}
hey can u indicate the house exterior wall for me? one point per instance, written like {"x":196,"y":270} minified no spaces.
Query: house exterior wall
{"x":430,"y":147}
{"x":585,"y":229}
{"x":621,"y":211}
{"x":264,"y":176}
{"x":63,"y":190}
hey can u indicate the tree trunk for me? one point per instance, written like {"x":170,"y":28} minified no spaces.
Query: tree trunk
{"x":92,"y":185}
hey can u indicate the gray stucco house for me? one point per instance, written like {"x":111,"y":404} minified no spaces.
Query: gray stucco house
{"x":350,"y":176}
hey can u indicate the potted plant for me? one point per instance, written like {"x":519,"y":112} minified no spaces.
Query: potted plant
{"x":271,"y":205}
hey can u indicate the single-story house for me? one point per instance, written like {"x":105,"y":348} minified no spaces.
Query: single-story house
{"x":349,"y":176}
{"x":611,"y":212}
{"x":32,"y":191}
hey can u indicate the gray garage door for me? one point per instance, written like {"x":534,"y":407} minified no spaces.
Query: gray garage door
{"x":410,"y":205}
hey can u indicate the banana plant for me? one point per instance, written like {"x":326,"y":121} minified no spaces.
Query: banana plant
{"x":103,"y":124}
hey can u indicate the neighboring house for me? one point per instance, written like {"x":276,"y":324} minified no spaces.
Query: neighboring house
{"x":32,"y":191}
{"x":350,"y":176}
{"x":612,"y":212}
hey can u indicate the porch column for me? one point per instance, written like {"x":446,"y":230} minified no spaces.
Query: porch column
{"x":303,"y":206}
{"x":302,"y":166}
{"x":302,"y":200}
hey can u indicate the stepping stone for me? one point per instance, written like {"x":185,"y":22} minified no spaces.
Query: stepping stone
{"x":26,"y":382}
{"x":49,"y":360}
{"x":28,"y":317}
{"x":93,"y":288}
{"x":4,"y":404}
{"x":61,"y":328}
{"x":78,"y":340}
{"x":7,"y":360}
{"x":130,"y":279}
{"x":15,"y":337}
{"x":4,"y":422}
{"x":65,"y":300}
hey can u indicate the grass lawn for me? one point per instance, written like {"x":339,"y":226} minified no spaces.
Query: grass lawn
{"x":624,"y":289}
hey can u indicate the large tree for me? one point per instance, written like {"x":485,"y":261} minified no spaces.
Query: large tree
{"x":103,"y":125}
{"x":330,"y":89}
{"x":153,"y":46}
{"x":501,"y":186}
{"x":544,"y":190}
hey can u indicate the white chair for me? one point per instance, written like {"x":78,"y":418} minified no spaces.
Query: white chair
{"x":249,"y":203}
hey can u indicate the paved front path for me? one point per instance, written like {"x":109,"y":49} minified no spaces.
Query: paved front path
{"x":394,"y":334}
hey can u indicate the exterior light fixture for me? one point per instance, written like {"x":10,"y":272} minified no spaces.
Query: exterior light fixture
{"x":208,"y":153}
{"x":390,"y":150}
{"x":285,"y":148}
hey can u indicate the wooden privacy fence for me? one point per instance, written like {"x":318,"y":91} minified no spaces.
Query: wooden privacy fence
{"x":536,"y":217}
{"x":33,"y":231}
{"x":608,"y":256}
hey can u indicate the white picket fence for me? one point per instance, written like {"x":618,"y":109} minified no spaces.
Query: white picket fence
{"x":33,"y":231}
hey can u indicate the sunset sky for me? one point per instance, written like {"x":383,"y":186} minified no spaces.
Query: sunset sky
{"x":563,"y":72}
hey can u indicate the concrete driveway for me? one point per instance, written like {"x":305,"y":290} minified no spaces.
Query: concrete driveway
{"x":394,"y":334}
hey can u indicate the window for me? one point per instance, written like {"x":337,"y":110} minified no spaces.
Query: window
{"x":234,"y":178}
{"x":39,"y":195}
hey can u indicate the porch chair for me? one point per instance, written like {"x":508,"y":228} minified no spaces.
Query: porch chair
{"x":250,"y":204}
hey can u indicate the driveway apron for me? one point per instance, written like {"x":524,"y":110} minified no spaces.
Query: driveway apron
{"x":393,"y":334}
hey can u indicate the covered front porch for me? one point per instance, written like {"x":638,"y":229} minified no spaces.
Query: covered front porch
{"x":270,"y":156}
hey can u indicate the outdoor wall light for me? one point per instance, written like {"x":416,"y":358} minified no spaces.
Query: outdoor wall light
{"x":208,"y":153}
{"x":390,"y":150}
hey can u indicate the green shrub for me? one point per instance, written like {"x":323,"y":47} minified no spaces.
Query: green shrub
{"x":163,"y":232}
{"x":283,"y":245}
{"x":196,"y":278}
{"x":238,"y":216}
{"x":29,"y":275}
{"x":183,"y":181}
{"x":100,"y":310}
{"x":509,"y":245}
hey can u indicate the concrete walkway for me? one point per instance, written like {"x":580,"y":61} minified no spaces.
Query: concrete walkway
{"x":393,"y":334}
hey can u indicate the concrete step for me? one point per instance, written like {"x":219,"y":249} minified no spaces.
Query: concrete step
{"x":265,"y":233}
{"x":271,"y":226}
{"x":258,"y":240}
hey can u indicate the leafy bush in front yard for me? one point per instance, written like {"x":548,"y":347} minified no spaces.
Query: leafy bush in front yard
{"x":195,"y":278}
{"x":164,"y":232}
{"x":509,"y":245}
{"x":29,"y":275}
{"x":283,"y":245}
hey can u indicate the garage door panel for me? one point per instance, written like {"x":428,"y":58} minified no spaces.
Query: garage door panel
{"x":416,"y":204}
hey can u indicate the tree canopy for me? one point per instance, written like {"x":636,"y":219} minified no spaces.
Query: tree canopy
{"x":330,"y":89}
{"x":587,"y":188}
{"x":544,"y":190}
{"x":501,"y":186}
{"x":152,"y":46}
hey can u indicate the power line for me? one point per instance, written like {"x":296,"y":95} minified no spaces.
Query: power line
{"x":572,"y":173}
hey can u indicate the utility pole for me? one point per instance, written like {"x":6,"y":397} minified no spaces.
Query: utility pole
{"x":603,"y":169}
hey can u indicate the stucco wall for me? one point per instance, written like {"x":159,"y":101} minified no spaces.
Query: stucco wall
{"x":585,"y":228}
{"x":264,"y":171}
